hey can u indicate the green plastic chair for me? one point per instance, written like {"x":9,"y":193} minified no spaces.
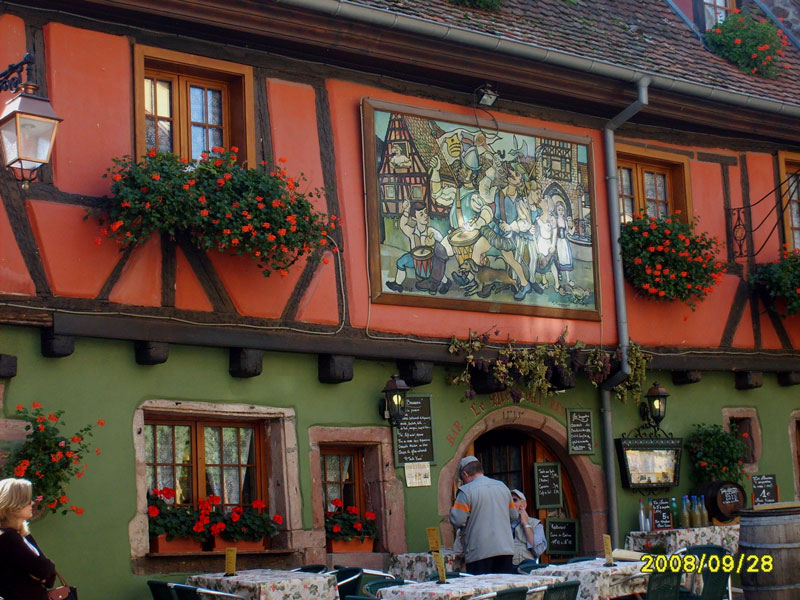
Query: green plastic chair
{"x":567,"y":590}
{"x":577,"y":559}
{"x":371,"y":588}
{"x":515,"y":593}
{"x":663,"y":586}
{"x":348,"y":581}
{"x":716,"y":586}
{"x":525,"y":568}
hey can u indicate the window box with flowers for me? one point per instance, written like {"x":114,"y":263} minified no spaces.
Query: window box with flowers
{"x":665,"y":259}
{"x":779,"y":283}
{"x":218,"y":204}
{"x":346,"y":531}
{"x":753,"y":44}
{"x":184,"y":529}
{"x":49,"y":459}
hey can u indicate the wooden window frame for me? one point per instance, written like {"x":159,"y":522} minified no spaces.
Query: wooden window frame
{"x":738,"y":415}
{"x":788,"y":163}
{"x":187,"y":67}
{"x":359,"y":487}
{"x":676,"y":166}
{"x":196,"y":425}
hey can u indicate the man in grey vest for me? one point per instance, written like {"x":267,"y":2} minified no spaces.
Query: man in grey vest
{"x":484,"y":510}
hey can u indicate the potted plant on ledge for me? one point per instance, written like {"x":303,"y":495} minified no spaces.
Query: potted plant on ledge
{"x":345,"y":531}
{"x":247,"y":528}
{"x":173,"y":529}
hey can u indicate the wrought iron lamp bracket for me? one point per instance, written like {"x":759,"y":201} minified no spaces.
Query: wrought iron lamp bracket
{"x":11,"y":78}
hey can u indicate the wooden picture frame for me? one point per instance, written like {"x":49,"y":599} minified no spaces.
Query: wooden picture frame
{"x":649,"y":463}
{"x":470,"y":214}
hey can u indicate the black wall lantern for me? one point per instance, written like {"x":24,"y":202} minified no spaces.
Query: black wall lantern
{"x":393,"y":404}
{"x":654,"y":408}
{"x":28,"y":124}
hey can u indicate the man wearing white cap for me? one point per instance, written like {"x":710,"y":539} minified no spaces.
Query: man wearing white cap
{"x":529,"y":538}
{"x":484,"y":510}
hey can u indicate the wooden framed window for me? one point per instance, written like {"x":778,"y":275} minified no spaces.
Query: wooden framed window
{"x":715,"y":11}
{"x":201,"y":457}
{"x":748,"y":428}
{"x":342,"y":469}
{"x":189,"y":104}
{"x":654,"y":182}
{"x":790,"y":197}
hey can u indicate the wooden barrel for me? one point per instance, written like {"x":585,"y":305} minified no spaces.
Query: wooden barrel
{"x":724,"y":499}
{"x":770,"y":542}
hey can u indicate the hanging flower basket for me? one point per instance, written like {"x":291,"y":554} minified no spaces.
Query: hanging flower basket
{"x":482,"y":378}
{"x":218,"y":203}
{"x":666,"y":260}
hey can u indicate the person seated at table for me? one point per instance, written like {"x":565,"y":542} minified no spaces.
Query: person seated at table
{"x":485,"y":511}
{"x":529,"y":538}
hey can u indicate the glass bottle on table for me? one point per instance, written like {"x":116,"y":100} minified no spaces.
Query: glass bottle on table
{"x":685,"y":518}
{"x":694,"y":515}
{"x":704,"y":512}
{"x":642,"y":519}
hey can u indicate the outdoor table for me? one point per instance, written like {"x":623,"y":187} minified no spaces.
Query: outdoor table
{"x":419,"y":566}
{"x":669,"y":540}
{"x":599,"y":582}
{"x":270,"y":584}
{"x":466,"y":587}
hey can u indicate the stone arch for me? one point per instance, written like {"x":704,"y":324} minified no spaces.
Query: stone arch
{"x":587,"y":477}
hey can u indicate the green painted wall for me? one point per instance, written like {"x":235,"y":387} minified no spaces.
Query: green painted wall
{"x":102,"y":380}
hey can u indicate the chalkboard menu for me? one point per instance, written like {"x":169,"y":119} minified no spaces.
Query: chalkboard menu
{"x":662,"y":515}
{"x":547,"y":483}
{"x":562,"y":536}
{"x":729,"y":494}
{"x":580,"y":433}
{"x":765,"y":489}
{"x":413,"y":437}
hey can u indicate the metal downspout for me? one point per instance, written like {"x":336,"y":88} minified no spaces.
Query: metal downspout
{"x":612,"y":190}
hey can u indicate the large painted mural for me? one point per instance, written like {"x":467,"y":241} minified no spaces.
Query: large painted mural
{"x":475,"y":215}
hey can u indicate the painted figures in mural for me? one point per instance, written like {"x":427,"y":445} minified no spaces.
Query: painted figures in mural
{"x":467,"y":213}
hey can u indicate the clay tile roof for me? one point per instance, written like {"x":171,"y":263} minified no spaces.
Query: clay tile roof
{"x":645,"y":35}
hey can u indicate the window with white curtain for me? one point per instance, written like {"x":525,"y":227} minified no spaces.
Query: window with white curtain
{"x":342,"y":477}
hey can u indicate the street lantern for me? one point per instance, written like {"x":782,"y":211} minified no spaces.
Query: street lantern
{"x":27,"y":126}
{"x":655,"y":409}
{"x":393,"y":404}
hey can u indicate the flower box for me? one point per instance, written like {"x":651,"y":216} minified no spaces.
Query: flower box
{"x":221,"y":543}
{"x":159,"y":544}
{"x":353,"y":545}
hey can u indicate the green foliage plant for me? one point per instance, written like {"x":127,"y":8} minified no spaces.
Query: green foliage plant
{"x":754,"y":45}
{"x":716,"y":453}
{"x":48,"y":458}
{"x":220,"y":204}
{"x":344,"y":523}
{"x":780,"y":279}
{"x":666,"y":260}
{"x":633,"y":385}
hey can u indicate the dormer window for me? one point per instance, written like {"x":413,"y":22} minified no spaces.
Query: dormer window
{"x":716,"y":11}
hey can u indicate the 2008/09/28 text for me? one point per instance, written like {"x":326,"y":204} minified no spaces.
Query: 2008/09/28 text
{"x":697,"y":563}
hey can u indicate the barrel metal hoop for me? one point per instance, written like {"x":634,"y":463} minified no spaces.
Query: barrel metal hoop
{"x":767,"y":546}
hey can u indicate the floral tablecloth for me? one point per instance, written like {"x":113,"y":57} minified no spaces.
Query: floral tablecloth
{"x":270,"y":584}
{"x":598,"y":581}
{"x":669,"y":540}
{"x":466,"y":587}
{"x":419,"y":566}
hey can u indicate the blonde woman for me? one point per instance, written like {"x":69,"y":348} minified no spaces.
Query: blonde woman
{"x":25,"y":572}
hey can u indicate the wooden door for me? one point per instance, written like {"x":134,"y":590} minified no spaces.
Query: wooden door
{"x":509,"y":456}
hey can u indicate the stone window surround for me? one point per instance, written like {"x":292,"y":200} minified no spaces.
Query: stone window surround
{"x":383,"y":488}
{"x":755,"y":430}
{"x":794,"y":417}
{"x":284,"y":489}
{"x":587,"y":477}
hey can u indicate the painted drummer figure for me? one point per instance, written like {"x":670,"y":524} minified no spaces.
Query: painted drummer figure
{"x":419,"y":232}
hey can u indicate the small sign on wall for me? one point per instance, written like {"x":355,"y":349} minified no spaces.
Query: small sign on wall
{"x":765,"y":489}
{"x":580,"y":431}
{"x":418,"y":474}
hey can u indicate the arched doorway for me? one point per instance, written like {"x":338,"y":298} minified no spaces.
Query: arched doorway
{"x":586,"y":477}
{"x":508,"y":455}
